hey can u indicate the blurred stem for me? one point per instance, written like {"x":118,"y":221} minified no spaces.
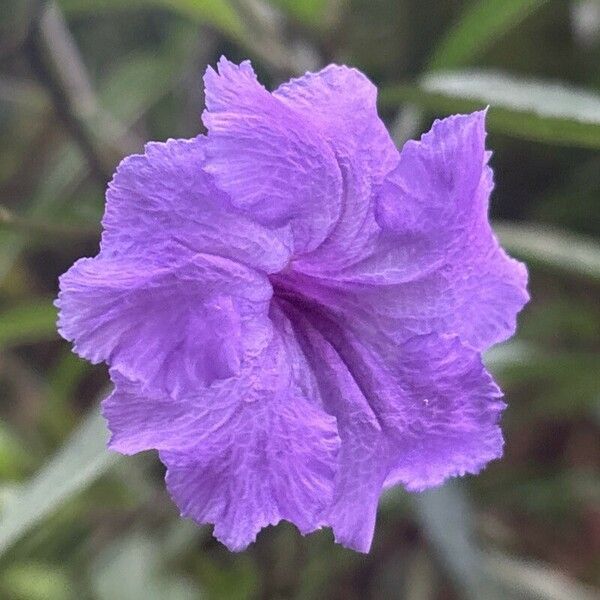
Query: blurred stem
{"x":447,"y":518}
{"x":56,"y":62}
{"x":23,"y":93}
{"x":30,"y":389}
{"x":531,"y":580}
{"x":265,"y":36}
{"x":10,"y":220}
{"x":14,"y":32}
{"x":55,"y":59}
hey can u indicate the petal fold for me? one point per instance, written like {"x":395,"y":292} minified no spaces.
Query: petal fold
{"x":243,"y":453}
{"x":414,"y":413}
{"x":274,"y":164}
{"x":363,"y":459}
{"x":340,"y":102}
{"x":162,"y":206}
{"x":173,"y":328}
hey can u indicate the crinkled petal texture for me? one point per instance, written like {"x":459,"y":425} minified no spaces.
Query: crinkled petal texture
{"x":276,"y":167}
{"x":293,"y":312}
{"x":173,"y":328}
{"x":434,"y":205}
{"x":244,"y":454}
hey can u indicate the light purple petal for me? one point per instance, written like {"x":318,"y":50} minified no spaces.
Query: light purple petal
{"x":269,"y":462}
{"x":363,"y":459}
{"x":275,"y":166}
{"x":414,"y":413}
{"x":455,"y":410}
{"x":243,"y":453}
{"x":259,"y":458}
{"x":341,"y":103}
{"x":434,"y":206}
{"x":434,"y":400}
{"x":162,"y":206}
{"x":172,"y":328}
{"x":436,"y":265}
{"x":140,"y":419}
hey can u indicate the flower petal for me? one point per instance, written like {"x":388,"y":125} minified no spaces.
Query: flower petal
{"x":363,"y":459}
{"x":454,"y":278}
{"x":260,"y":458}
{"x":436,"y":265}
{"x":162,"y":205}
{"x":415,"y":413}
{"x":435,"y":402}
{"x":172,"y":328}
{"x":141,"y":419}
{"x":455,"y":413}
{"x":272,"y":162}
{"x":341,"y":103}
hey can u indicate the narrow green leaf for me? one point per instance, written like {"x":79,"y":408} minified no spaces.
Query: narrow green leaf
{"x":14,"y":456}
{"x":81,"y":461}
{"x":218,"y":13}
{"x":550,"y":248}
{"x":34,"y":321}
{"x":482,"y":24}
{"x":547,"y":99}
{"x":45,"y":229}
{"x":447,"y":519}
{"x":509,"y":354}
{"x":529,"y":109}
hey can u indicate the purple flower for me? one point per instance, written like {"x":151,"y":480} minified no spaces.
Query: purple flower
{"x":293,"y":312}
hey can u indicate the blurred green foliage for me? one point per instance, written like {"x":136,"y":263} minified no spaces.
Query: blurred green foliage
{"x":83,"y":83}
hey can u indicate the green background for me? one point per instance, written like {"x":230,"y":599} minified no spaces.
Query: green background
{"x":85,"y":82}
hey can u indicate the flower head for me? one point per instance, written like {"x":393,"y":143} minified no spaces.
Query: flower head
{"x":293,"y":312}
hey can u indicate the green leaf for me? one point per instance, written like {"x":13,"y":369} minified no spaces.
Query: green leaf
{"x":34,"y":321}
{"x":530,"y":109}
{"x":447,"y":519}
{"x":552,"y":249}
{"x":507,"y":355}
{"x":75,"y":466}
{"x":218,"y":13}
{"x":482,"y":24}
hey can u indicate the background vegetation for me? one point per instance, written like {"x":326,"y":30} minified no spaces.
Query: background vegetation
{"x":85,"y":82}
